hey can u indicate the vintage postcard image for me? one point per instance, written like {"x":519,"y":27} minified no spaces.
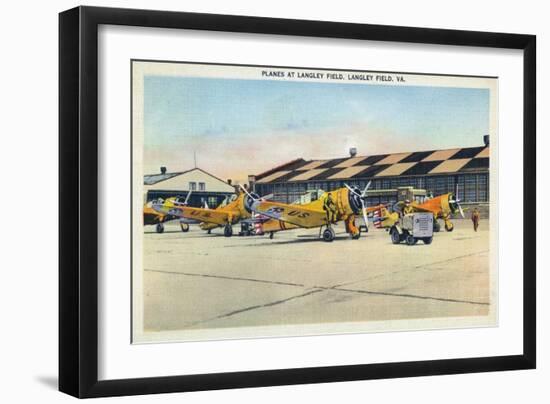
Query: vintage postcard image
{"x":276,"y":201}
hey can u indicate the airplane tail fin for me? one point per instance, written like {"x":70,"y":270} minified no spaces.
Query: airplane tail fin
{"x":378,"y":217}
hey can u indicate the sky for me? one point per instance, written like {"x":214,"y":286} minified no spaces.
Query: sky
{"x":238,"y":127}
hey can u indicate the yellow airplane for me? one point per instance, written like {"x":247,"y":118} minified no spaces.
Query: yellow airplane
{"x":442,"y":207}
{"x":153,"y":217}
{"x":229,"y":212}
{"x":341,"y":204}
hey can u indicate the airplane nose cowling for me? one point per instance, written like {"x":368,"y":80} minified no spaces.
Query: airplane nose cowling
{"x":453,"y":205}
{"x":355,"y":201}
{"x":249,"y":201}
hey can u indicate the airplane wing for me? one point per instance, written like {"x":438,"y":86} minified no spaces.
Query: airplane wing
{"x":295,"y":214}
{"x":417,"y":208}
{"x":420,"y":209}
{"x":198,"y":214}
{"x":371,"y":209}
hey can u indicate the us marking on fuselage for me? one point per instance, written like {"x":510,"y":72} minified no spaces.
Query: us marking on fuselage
{"x":277,"y":210}
{"x":296,"y":213}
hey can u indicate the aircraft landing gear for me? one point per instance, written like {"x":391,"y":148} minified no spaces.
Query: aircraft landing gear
{"x":329,"y":234}
{"x":271,"y":234}
{"x":351,"y":229}
{"x":184,"y":227}
{"x":160,"y":228}
{"x":209,"y":231}
{"x":449,"y":226}
{"x":228,"y":230}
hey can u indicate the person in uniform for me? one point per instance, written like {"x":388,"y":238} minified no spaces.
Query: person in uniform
{"x":407,"y":208}
{"x":475,"y":218}
{"x":330,"y":207}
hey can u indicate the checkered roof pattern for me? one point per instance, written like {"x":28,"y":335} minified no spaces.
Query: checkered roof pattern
{"x":387,"y":165}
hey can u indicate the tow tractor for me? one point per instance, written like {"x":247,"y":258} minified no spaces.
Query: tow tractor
{"x":247,"y":229}
{"x":413,"y":227}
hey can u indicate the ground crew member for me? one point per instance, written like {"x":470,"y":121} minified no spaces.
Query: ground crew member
{"x":475,"y":218}
{"x":407,"y":208}
{"x":330,"y":207}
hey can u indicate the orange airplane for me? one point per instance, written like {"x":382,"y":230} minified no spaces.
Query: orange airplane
{"x":229,"y":212}
{"x":341,"y":204}
{"x":153,"y":217}
{"x":442,"y":207}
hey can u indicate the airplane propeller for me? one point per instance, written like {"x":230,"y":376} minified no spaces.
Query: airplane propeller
{"x":184,"y":203}
{"x":250,"y":198}
{"x":454,"y":200}
{"x":461,"y":211}
{"x":187,"y":197}
{"x":363,"y":198}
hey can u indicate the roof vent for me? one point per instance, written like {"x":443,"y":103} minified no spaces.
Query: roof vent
{"x":486,"y":140}
{"x":353,"y":151}
{"x":163,"y":170}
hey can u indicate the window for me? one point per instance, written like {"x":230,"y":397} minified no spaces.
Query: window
{"x":202,"y":186}
{"x":451,"y":184}
{"x":373,"y":200}
{"x":439,"y":185}
{"x":192,"y":186}
{"x":460,"y":187}
{"x":482,"y":188}
{"x":470,"y":188}
{"x":406,"y":182}
{"x":212,"y":201}
{"x":264,"y":189}
{"x":430,"y":185}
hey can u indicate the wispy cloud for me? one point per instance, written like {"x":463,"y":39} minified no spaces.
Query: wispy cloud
{"x":241,"y":127}
{"x":253,"y":153}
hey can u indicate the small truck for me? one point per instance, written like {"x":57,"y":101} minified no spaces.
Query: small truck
{"x":413,"y":227}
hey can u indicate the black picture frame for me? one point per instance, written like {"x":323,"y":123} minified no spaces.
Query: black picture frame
{"x":78,"y":195}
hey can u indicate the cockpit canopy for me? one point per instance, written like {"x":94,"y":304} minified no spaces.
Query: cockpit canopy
{"x":228,"y":199}
{"x":309,"y":196}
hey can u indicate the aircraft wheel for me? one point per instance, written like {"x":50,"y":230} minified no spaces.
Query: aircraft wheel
{"x":395,"y":237}
{"x":328,"y":234}
{"x":357,"y":235}
{"x":271,"y":235}
{"x":228,"y":230}
{"x":160,"y":228}
{"x":427,"y":240}
{"x":184,"y":227}
{"x":209,"y":231}
{"x":411,"y":240}
{"x":449,"y":227}
{"x":437,"y":226}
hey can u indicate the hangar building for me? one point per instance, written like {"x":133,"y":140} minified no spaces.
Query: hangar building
{"x":435,"y":171}
{"x":205,"y":186}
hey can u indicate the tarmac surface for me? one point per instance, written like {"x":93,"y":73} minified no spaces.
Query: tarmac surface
{"x":198,"y":281}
